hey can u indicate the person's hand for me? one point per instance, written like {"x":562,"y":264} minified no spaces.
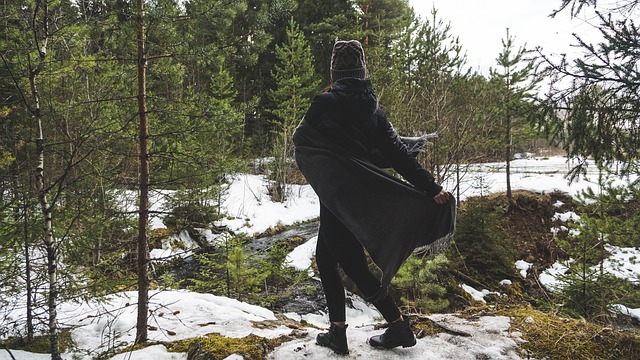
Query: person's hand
{"x":442,"y":197}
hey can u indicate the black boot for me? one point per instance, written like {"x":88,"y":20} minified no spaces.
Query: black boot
{"x":397,"y":334}
{"x":336,"y":339}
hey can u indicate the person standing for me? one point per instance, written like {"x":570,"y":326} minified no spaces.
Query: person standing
{"x":341,"y":146}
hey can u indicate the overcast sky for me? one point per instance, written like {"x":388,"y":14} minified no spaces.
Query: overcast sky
{"x":481,"y":25}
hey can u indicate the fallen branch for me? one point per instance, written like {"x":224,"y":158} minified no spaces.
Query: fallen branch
{"x":446,"y":329}
{"x":9,"y":351}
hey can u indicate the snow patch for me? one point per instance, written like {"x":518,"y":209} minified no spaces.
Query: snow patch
{"x":621,"y":309}
{"x":489,"y":339}
{"x":300,"y":257}
{"x":174,"y":315}
{"x":478,"y":295}
{"x":557,"y":229}
{"x":623,"y":263}
{"x":566,"y":217}
{"x":549,"y":277}
{"x":151,"y":352}
{"x":250,"y":210}
{"x":523,"y":267}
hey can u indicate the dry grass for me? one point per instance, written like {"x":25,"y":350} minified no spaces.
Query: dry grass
{"x":549,"y":336}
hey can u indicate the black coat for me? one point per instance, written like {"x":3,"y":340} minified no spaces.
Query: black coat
{"x":335,"y":144}
{"x":349,"y":116}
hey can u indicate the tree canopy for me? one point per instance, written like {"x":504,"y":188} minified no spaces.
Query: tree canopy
{"x":593,"y":108}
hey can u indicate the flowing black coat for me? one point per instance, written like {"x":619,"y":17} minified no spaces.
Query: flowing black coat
{"x":335,"y":147}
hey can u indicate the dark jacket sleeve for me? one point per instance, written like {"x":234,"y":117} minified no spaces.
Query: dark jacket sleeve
{"x":401,"y":159}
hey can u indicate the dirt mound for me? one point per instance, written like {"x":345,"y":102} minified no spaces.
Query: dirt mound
{"x":530,"y":218}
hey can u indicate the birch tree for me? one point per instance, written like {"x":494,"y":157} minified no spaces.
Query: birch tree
{"x":42,"y":25}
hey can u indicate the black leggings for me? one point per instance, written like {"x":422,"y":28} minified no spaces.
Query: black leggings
{"x":337,"y":246}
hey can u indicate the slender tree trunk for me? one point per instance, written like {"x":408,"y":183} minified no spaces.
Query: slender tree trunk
{"x":143,"y":213}
{"x":49,"y":242}
{"x":21,"y":215}
{"x":226,"y":268}
{"x":47,"y":211}
{"x":507,"y":155}
{"x":508,"y":158}
{"x":366,"y":25}
{"x":45,"y":206}
{"x":601,"y":245}
{"x":27,"y":270}
{"x":457,"y":156}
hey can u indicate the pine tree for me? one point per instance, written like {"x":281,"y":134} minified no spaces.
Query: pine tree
{"x":295,"y":85}
{"x":421,"y":94}
{"x":481,"y":243}
{"x":142,"y":269}
{"x":515,"y":86}
{"x":380,"y":21}
{"x":593,"y":106}
{"x":228,"y":270}
{"x":607,"y":218}
{"x":323,"y":22}
{"x":417,"y":280}
{"x":244,"y":279}
{"x":202,"y":148}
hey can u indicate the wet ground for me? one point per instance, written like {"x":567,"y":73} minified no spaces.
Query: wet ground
{"x":262,"y":244}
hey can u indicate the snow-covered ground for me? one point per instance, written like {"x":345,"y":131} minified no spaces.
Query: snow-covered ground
{"x":98,"y":326}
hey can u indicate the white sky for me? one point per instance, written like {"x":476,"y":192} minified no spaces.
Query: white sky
{"x":481,"y":26}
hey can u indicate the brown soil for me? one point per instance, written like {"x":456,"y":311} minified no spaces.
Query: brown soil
{"x":530,"y":220}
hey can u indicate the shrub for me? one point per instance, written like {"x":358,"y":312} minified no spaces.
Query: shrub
{"x":418,"y":281}
{"x":485,"y":247}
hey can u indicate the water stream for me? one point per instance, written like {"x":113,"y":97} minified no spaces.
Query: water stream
{"x":260,"y":245}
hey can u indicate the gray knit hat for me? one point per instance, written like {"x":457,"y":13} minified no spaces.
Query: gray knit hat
{"x":347,"y":60}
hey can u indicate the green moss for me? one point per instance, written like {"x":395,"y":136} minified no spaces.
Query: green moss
{"x":551,"y":337}
{"x":424,"y":327}
{"x":250,"y":347}
{"x":40,"y":344}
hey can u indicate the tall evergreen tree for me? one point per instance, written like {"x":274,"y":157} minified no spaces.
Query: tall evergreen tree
{"x":295,"y":85}
{"x":203,"y":147}
{"x":379,"y":25}
{"x":380,"y":20}
{"x":515,"y":100}
{"x":244,"y":31}
{"x":323,"y":22}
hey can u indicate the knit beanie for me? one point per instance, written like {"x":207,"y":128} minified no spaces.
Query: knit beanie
{"x":347,"y":60}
